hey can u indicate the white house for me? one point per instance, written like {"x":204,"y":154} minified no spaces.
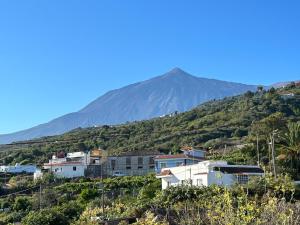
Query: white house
{"x":207,"y":173}
{"x":18,"y":168}
{"x":70,"y":166}
{"x":38,"y":174}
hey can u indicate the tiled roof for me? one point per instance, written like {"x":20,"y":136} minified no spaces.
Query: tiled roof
{"x":165,"y":173}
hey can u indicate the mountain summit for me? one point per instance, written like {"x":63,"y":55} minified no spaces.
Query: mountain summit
{"x":175,"y":90}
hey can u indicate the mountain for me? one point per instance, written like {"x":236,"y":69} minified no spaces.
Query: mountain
{"x":230,"y":123}
{"x":173,"y":91}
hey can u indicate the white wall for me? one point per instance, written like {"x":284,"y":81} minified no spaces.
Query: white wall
{"x":219,"y":178}
{"x":199,"y":174}
{"x":67,"y":171}
{"x":186,"y":174}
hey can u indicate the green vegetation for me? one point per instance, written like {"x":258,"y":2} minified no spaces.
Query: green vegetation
{"x":262,"y":201}
{"x":223,"y":121}
{"x":240,"y":129}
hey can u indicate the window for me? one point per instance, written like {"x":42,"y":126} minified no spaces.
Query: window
{"x":113,"y":164}
{"x":140,"y":162}
{"x":151,"y":160}
{"x":178,"y":163}
{"x":74,"y":168}
{"x":163,"y":165}
{"x":242,"y":179}
{"x":152,"y":163}
{"x":199,"y":182}
{"x":128,"y":163}
{"x":168,"y":183}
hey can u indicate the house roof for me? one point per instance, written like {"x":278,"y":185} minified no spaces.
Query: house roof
{"x":179,"y":156}
{"x":237,"y":170}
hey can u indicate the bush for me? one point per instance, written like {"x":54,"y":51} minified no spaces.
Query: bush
{"x":45,"y":217}
{"x":22,"y":204}
{"x":87,"y":194}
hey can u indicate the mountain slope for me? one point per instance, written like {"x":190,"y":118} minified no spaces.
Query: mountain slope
{"x":173,"y":91}
{"x":214,"y":124}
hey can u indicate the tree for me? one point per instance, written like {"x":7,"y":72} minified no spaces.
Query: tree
{"x":272,"y":90}
{"x":291,"y":143}
{"x":22,"y":204}
{"x":249,"y":94}
{"x":265,"y":129}
{"x":260,"y":88}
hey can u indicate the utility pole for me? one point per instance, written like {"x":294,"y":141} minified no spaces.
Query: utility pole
{"x":269,"y":154}
{"x":102,"y":187}
{"x":257,"y":150}
{"x":224,"y":151}
{"x":40,"y":196}
{"x":191,"y":176}
{"x":273,"y":151}
{"x":102,"y":163}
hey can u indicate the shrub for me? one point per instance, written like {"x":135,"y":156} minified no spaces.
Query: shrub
{"x":22,"y":204}
{"x":87,"y":194}
{"x":45,"y":217}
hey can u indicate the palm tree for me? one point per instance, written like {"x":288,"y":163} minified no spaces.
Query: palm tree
{"x":291,"y":143}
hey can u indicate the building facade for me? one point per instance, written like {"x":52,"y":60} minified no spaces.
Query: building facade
{"x":98,"y":163}
{"x":130,"y":165}
{"x":206,"y":173}
{"x":188,"y":157}
{"x":69,"y":166}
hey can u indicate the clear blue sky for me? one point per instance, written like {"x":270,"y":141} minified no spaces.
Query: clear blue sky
{"x":58,"y":55}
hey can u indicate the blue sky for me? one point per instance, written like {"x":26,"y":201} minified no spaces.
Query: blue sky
{"x":57,"y":56}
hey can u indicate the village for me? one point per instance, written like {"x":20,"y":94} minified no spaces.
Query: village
{"x":190,"y":167}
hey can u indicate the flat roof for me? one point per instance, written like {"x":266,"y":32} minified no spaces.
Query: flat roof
{"x":238,"y":169}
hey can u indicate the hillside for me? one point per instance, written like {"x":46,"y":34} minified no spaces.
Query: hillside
{"x":212,"y":125}
{"x":165,"y":94}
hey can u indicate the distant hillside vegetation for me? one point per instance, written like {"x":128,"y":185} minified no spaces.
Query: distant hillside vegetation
{"x":212,"y":125}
